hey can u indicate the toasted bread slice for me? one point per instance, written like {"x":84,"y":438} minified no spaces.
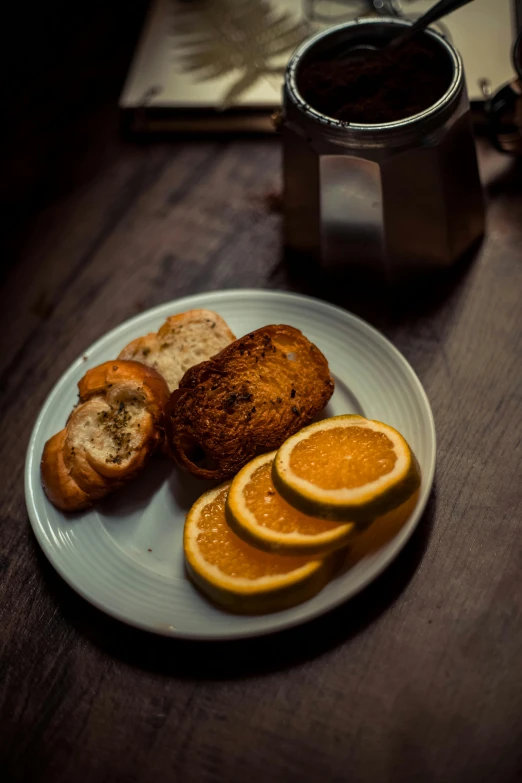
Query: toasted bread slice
{"x":246,"y":400}
{"x":183,"y":340}
{"x":108,"y":437}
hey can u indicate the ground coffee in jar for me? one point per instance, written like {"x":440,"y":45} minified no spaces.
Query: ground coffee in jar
{"x":363,"y":88}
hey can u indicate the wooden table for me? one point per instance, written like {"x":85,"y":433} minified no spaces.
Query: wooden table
{"x":417,"y":679}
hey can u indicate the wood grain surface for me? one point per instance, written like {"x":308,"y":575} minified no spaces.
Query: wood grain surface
{"x":417,"y":679}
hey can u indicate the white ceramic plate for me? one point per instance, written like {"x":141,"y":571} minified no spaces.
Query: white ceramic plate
{"x":125,"y":555}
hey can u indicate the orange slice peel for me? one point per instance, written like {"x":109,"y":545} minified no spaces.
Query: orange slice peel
{"x":237,"y":576}
{"x":347,"y":469}
{"x":258,"y":514}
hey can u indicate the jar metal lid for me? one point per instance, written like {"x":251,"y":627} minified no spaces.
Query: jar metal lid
{"x":445,"y":102}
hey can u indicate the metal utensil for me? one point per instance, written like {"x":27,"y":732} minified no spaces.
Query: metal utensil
{"x":504,"y":110}
{"x":439,"y":10}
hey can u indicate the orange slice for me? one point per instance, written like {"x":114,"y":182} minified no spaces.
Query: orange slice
{"x":346,"y":468}
{"x":236,"y":575}
{"x":260,"y":516}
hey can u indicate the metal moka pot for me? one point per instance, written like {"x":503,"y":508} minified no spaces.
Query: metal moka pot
{"x":394,"y":198}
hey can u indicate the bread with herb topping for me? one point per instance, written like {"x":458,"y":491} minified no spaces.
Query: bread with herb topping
{"x":183,"y":340}
{"x":109,"y":436}
{"x":246,"y":400}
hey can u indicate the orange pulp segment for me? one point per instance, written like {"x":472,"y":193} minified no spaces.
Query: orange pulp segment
{"x":257,"y":512}
{"x":272,"y":512}
{"x":220,"y":547}
{"x":343,"y":457}
{"x":239,"y":576}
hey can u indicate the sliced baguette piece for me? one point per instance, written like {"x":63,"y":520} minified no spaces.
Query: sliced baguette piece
{"x":246,"y":400}
{"x":109,"y":436}
{"x":183,"y":340}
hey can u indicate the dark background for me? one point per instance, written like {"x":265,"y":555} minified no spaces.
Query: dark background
{"x":64,"y":65}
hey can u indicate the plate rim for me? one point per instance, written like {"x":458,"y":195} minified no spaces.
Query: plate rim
{"x":198,"y":300}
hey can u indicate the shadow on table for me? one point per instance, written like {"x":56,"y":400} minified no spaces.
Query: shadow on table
{"x":244,"y":658}
{"x":362,"y":292}
{"x":507,"y":181}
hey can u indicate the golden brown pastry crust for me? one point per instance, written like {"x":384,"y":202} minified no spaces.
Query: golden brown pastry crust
{"x":246,"y":400}
{"x":61,"y":489}
{"x":109,"y":436}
